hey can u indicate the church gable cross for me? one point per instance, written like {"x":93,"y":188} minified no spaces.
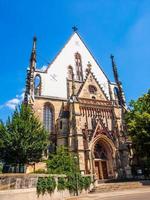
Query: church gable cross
{"x":74,"y":28}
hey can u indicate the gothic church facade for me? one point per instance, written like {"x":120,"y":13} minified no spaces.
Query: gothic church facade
{"x":81,"y":108}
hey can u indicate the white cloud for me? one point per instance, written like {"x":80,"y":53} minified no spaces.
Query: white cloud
{"x":13,"y":103}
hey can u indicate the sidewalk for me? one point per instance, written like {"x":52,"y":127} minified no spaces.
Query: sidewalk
{"x":98,"y":196}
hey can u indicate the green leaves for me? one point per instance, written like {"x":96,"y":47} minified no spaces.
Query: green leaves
{"x":138,"y":124}
{"x":23,"y":139}
{"x":45,"y":184}
{"x":61,"y":162}
{"x":41,"y":186}
{"x":72,"y":182}
{"x":62,"y":183}
{"x":64,"y":162}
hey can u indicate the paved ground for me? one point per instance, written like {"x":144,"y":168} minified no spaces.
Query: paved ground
{"x":136,"y":194}
{"x":145,"y":196}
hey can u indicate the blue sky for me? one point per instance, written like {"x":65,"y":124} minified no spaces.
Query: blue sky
{"x":112,"y":26}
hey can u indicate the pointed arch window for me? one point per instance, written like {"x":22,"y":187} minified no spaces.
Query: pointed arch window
{"x":48,"y":117}
{"x":117,"y":96}
{"x":70,"y":72}
{"x":78,"y":62}
{"x":37,"y":85}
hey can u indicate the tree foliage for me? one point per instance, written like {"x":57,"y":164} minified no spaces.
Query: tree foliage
{"x":62,"y":162}
{"x":45,"y":184}
{"x":22,"y":139}
{"x":138,"y":124}
{"x":65,"y":162}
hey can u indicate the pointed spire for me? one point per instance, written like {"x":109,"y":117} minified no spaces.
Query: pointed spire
{"x":33,"y":54}
{"x":116,"y":77}
{"x":115,"y":71}
{"x":29,"y":91}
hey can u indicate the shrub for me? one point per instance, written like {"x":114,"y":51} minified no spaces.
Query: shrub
{"x":62,"y":183}
{"x":51,"y":184}
{"x":87,"y":182}
{"x":41,"y":186}
{"x":71,"y":183}
{"x":45,"y":184}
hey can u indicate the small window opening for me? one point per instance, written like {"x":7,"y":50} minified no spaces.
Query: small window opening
{"x":93,"y":97}
{"x":60,"y":124}
{"x":92,"y":89}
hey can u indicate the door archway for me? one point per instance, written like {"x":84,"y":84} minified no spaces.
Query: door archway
{"x":103,"y":157}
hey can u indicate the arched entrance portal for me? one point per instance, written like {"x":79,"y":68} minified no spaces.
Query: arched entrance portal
{"x":103,"y":158}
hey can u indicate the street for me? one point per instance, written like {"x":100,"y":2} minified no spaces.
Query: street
{"x":136,"y":194}
{"x":144,"y":196}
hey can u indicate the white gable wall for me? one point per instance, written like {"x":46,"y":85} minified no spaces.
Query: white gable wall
{"x":54,"y":81}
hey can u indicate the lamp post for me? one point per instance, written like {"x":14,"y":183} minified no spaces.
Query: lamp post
{"x":76,"y":174}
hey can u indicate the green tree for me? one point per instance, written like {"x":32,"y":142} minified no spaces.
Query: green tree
{"x":22,"y":139}
{"x":62,"y":162}
{"x":138,"y":124}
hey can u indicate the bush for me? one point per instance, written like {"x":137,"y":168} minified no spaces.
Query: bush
{"x":41,"y":186}
{"x":62,"y":183}
{"x":87,"y":182}
{"x":51,"y":184}
{"x":73,"y":182}
{"x":62,"y":162}
{"x":78,"y":182}
{"x":45,"y":184}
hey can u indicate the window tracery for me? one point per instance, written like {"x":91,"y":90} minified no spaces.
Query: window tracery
{"x":70,"y":72}
{"x":92,"y":89}
{"x":48,"y":117}
{"x":37,"y":85}
{"x":100,"y":152}
{"x":78,"y":62}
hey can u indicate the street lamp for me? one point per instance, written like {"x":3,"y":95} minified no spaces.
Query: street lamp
{"x":76,"y":174}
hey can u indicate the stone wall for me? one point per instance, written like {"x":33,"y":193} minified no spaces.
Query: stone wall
{"x":30,"y":194}
{"x":18,"y":181}
{"x":23,"y":186}
{"x":22,"y":181}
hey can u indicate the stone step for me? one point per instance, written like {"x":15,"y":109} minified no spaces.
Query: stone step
{"x":108,"y":187}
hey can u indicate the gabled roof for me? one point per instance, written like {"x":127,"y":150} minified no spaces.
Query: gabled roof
{"x":84,"y":45}
{"x":97,"y":84}
{"x":100,"y":129}
{"x":54,"y":78}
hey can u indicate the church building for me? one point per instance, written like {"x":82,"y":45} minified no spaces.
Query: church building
{"x":81,"y":108}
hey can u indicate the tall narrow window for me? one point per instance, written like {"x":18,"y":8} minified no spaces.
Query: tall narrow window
{"x":37,"y":85}
{"x":78,"y":61}
{"x":117,"y":96}
{"x":48,"y":117}
{"x":70,"y":72}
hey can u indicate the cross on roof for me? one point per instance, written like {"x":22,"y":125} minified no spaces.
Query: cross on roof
{"x":74,"y":28}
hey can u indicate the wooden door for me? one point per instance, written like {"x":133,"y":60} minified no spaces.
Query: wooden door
{"x":104,"y":169}
{"x":97,"y":169}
